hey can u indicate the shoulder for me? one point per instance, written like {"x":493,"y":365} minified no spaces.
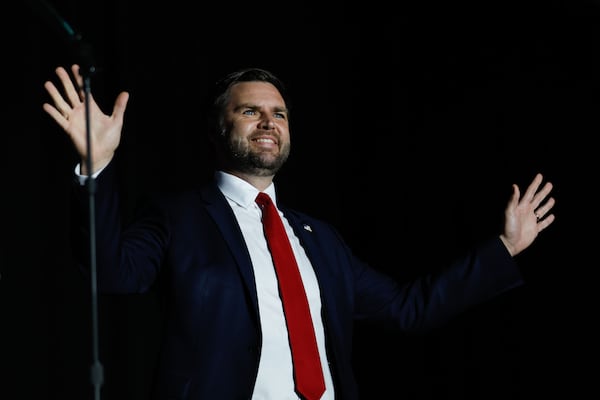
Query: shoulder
{"x":177,"y":202}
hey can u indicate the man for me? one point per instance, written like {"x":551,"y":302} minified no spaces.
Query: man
{"x":226,"y":331}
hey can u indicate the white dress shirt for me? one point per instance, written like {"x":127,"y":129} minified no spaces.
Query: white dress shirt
{"x":275,"y":374}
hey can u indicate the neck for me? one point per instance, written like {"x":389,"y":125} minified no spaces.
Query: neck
{"x":260,"y":182}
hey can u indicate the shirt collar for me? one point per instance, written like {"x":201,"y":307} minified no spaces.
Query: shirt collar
{"x":239,"y":191}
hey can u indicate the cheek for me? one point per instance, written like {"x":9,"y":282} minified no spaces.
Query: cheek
{"x":239,"y":141}
{"x":285,"y":135}
{"x":283,"y":127}
{"x":238,"y":138}
{"x":241,"y":129}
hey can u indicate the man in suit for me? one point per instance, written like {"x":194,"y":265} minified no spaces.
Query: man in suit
{"x":226,"y":335}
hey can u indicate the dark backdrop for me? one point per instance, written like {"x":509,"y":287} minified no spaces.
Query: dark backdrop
{"x":410,"y":123}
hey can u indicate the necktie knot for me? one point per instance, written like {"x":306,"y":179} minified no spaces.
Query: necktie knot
{"x":263,"y":199}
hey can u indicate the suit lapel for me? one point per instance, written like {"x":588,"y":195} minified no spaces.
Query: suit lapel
{"x":218,"y":208}
{"x":307,"y":236}
{"x":311,"y":242}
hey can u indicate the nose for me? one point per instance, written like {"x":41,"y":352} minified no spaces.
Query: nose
{"x":267,"y":123}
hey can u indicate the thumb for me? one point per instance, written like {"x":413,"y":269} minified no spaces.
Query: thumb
{"x":120,"y":105}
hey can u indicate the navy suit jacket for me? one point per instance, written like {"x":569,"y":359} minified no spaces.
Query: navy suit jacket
{"x":190,"y":247}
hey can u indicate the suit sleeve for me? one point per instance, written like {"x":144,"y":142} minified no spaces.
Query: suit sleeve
{"x":433,"y":299}
{"x":127,"y":260}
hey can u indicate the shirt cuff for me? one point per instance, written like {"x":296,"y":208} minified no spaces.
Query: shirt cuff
{"x":83,"y":178}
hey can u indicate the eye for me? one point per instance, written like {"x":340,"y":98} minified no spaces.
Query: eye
{"x":279,"y":115}
{"x":249,"y":111}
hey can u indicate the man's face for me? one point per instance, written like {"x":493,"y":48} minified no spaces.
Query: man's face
{"x":257,"y":133}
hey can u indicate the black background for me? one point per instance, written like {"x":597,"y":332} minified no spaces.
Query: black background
{"x":410,"y":123}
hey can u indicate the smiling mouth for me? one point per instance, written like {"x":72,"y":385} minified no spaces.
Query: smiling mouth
{"x":265,"y":140}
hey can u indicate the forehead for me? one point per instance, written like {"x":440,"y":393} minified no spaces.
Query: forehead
{"x":257,"y":94}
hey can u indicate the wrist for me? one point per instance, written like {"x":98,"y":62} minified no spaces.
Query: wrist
{"x":510,"y":248}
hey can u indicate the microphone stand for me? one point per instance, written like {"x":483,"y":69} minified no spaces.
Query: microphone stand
{"x":96,"y":372}
{"x":87,"y":69}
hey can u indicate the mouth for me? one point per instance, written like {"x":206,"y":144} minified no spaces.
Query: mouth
{"x":266,"y":141}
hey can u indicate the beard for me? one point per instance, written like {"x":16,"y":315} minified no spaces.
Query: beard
{"x":241,"y":157}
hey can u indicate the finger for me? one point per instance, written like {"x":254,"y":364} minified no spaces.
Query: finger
{"x":545,"y":209}
{"x":56,"y":115}
{"x":542,"y":194}
{"x":78,"y":78}
{"x":59,"y":102}
{"x":533,"y":187}
{"x":544,"y":223}
{"x":71,"y":92}
{"x":514,"y":198}
{"x":120,"y":105}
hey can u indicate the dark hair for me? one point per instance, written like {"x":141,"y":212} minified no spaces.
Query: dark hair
{"x":221,"y":91}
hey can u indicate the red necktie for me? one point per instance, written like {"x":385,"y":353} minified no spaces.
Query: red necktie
{"x":307,"y":364}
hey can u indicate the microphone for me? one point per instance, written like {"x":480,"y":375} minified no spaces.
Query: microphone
{"x":82,"y":49}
